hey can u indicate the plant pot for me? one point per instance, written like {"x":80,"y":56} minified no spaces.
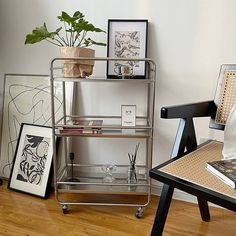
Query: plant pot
{"x":77,"y":68}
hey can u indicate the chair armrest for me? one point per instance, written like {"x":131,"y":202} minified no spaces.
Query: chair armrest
{"x":201,"y":109}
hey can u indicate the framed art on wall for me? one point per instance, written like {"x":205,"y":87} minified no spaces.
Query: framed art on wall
{"x":27,"y":99}
{"x":31,"y":171}
{"x":127,"y":39}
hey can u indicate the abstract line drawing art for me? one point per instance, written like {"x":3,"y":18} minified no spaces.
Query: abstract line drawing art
{"x":27,"y":99}
{"x":32,"y":164}
{"x":33,"y":159}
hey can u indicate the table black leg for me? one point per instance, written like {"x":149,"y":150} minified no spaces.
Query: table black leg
{"x":1,"y":182}
{"x":162,"y":211}
{"x":204,"y":209}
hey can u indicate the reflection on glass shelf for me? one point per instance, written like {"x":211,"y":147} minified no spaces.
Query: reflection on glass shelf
{"x":103,"y":188}
{"x":91,"y":177}
{"x":110,"y":133}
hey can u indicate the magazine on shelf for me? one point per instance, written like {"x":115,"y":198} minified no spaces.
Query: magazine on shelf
{"x":225,"y":170}
{"x":82,"y":127}
{"x":80,"y":131}
{"x":83,"y":123}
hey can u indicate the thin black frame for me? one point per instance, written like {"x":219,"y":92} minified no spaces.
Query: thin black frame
{"x":109,"y":45}
{"x":47,"y":186}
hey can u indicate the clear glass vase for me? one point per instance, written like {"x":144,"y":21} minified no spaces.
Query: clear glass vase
{"x":132,"y":175}
{"x":108,"y":170}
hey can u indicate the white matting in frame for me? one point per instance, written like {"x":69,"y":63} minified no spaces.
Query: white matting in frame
{"x":127,"y":39}
{"x":31,"y":172}
{"x":27,"y":99}
{"x":128,"y":115}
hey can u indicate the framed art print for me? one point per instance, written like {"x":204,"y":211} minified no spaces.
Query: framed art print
{"x":127,"y":39}
{"x":27,"y":99}
{"x":128,"y":115}
{"x":32,"y":165}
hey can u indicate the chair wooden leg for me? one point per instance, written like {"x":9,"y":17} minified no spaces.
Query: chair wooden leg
{"x":204,"y":209}
{"x":162,"y":211}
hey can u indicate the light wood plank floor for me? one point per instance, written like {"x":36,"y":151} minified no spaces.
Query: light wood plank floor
{"x":22,"y":214}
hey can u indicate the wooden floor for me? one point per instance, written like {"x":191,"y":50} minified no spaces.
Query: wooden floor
{"x":22,"y":214}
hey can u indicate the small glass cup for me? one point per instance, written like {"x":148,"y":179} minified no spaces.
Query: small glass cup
{"x":108,"y":170}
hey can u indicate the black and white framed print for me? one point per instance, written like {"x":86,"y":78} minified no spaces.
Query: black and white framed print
{"x":27,"y":99}
{"x":127,"y":39}
{"x":32,"y":166}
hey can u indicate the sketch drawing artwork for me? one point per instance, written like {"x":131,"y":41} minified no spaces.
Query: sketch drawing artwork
{"x":33,"y":159}
{"x":127,"y":45}
{"x":26,"y":100}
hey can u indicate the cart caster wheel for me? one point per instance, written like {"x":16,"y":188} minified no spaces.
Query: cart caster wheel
{"x":65,"y":209}
{"x":139,"y":213}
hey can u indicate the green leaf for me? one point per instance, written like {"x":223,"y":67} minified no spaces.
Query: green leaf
{"x":70,"y":20}
{"x":75,"y":29}
{"x":78,"y":15}
{"x":39,"y":34}
{"x":66,"y":18}
{"x":89,"y":41}
{"x":90,"y":27}
{"x":99,"y":43}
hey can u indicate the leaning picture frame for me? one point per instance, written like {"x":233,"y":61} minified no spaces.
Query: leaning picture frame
{"x":32,"y":165}
{"x":127,"y":39}
{"x":26,"y":99}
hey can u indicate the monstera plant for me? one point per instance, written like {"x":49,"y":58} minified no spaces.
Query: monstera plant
{"x":73,"y":40}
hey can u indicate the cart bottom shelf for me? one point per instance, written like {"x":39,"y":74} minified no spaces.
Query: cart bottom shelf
{"x":90,"y":198}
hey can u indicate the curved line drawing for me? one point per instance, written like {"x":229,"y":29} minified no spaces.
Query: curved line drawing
{"x":25,"y":103}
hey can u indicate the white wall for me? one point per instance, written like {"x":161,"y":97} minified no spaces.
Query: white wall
{"x":188,"y":39}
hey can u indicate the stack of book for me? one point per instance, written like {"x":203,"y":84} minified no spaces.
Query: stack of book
{"x":82,"y":127}
{"x":225,"y":170}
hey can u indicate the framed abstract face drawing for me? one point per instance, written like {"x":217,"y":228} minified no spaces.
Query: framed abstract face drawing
{"x":32,"y":165}
{"x":127,"y":39}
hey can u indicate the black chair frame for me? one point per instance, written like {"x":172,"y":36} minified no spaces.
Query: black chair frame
{"x":186,"y":142}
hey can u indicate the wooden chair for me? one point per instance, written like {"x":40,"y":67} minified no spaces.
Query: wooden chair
{"x":186,"y":170}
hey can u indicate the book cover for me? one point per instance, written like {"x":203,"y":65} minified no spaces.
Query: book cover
{"x":225,"y":170}
{"x":80,"y":131}
{"x":80,"y":126}
{"x":83,"y":124}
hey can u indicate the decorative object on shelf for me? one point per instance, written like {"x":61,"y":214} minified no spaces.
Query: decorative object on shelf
{"x":127,"y":39}
{"x":82,"y":126}
{"x":124,"y":71}
{"x":128,"y":115}
{"x":73,"y":42}
{"x":80,"y":68}
{"x":32,"y":172}
{"x":108,"y":169}
{"x":72,"y":178}
{"x":132,"y":173}
{"x":27,"y":99}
